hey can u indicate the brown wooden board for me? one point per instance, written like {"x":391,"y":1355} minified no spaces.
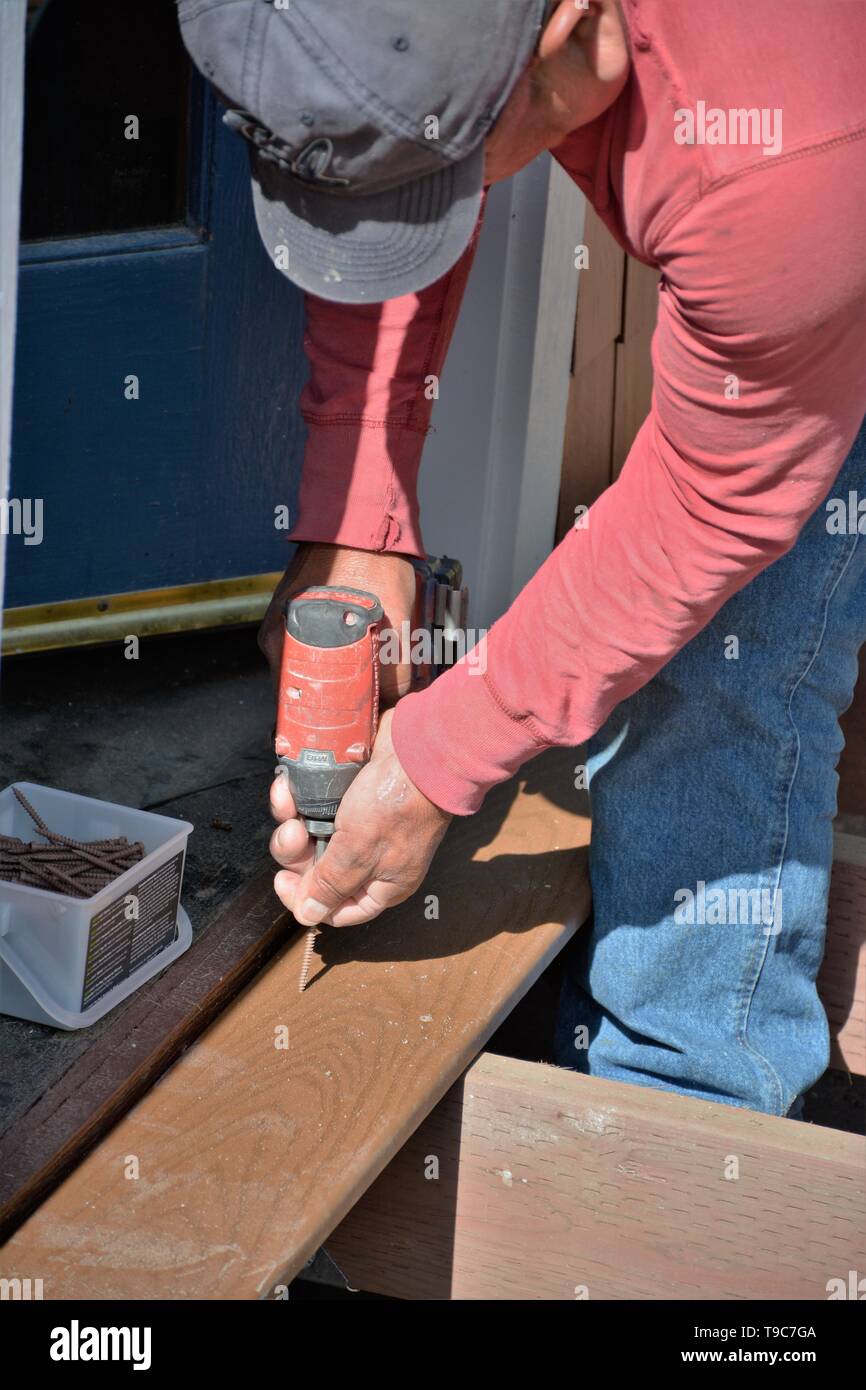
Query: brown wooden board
{"x":842,"y":981}
{"x":183,"y":731}
{"x":634,"y":372}
{"x":556,"y":1186}
{"x":174,"y":1009}
{"x":852,"y":766}
{"x":586,"y":460}
{"x":266,"y":1132}
{"x":144,"y":1038}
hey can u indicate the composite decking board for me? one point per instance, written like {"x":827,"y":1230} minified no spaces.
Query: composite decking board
{"x":557,"y":1186}
{"x":196,"y":709}
{"x":172,"y":1010}
{"x":163,"y":1018}
{"x":249,"y":1152}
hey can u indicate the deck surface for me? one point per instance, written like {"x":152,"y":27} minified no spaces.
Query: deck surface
{"x":183,"y":731}
{"x":227,"y":1175}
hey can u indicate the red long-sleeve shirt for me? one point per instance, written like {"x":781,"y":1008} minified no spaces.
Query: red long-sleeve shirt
{"x":760,"y":377}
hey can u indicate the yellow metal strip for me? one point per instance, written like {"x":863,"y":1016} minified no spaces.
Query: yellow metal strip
{"x":84,"y":622}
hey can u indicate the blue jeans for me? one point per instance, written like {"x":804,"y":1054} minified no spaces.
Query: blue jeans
{"x":713,"y":795}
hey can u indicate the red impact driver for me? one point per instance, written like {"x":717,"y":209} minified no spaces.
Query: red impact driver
{"x":327,"y":706}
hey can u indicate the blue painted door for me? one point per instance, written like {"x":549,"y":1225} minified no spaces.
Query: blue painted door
{"x":158,"y":364}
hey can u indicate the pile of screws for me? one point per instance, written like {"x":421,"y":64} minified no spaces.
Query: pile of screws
{"x":74,"y":867}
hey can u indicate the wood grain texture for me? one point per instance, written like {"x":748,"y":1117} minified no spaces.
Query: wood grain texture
{"x":634,"y":373}
{"x":552,"y":1183}
{"x":139,"y":1044}
{"x":250,"y":1153}
{"x":586,"y":460}
{"x":197,"y":709}
{"x":852,"y":764}
{"x":588,"y":437}
{"x":842,"y":981}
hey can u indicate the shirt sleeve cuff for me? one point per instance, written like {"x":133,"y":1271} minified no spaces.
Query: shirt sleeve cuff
{"x":369,"y":507}
{"x":456,"y":741}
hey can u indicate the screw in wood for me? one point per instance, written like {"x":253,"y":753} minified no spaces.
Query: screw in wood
{"x":310,"y":942}
{"x":308,"y":958}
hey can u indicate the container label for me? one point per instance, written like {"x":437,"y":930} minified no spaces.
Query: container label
{"x":132,"y":930}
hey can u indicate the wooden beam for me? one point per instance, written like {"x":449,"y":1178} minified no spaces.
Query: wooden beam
{"x":842,"y":982}
{"x":634,"y":373}
{"x":586,"y":459}
{"x":852,"y":764}
{"x":267,"y":1131}
{"x":554,"y":1186}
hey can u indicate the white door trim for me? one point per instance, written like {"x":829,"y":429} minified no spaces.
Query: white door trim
{"x":12,"y":32}
{"x":490,"y":480}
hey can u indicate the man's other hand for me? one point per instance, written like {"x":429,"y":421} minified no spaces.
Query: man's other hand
{"x":386,"y":835}
{"x":390,"y":577}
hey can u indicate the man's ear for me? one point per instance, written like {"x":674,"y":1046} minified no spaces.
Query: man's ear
{"x":597,"y":27}
{"x":563,"y":20}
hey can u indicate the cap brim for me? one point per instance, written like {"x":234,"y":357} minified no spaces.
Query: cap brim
{"x":359,"y":250}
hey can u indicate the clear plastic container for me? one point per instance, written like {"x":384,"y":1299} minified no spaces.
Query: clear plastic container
{"x":67,"y":961}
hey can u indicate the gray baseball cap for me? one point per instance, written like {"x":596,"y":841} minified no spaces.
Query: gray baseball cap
{"x":366,"y":121}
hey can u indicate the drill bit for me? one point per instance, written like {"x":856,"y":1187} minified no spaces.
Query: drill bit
{"x":310,"y":942}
